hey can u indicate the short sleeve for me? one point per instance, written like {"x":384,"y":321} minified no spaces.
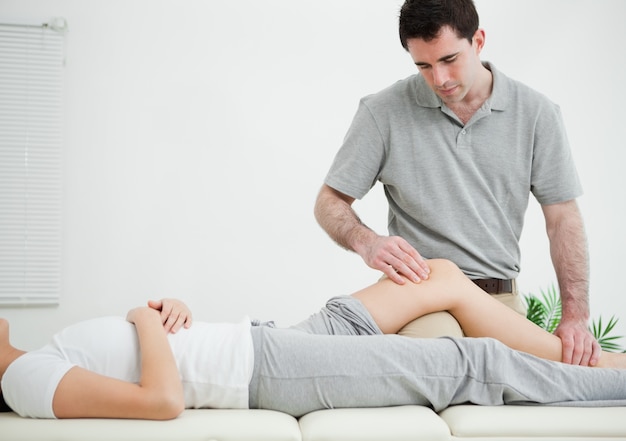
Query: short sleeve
{"x":29,"y":383}
{"x":554,"y":176}
{"x":358,"y":162}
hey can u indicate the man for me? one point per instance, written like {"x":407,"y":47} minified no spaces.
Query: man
{"x":458,"y":148}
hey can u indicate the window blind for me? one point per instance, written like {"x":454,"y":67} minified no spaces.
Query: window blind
{"x":31,"y":78}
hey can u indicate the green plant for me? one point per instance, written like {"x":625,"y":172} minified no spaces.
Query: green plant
{"x":602,"y":334}
{"x":545,"y":311}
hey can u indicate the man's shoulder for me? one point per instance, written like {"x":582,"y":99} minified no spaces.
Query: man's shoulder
{"x":507,"y":89}
{"x":397,"y":90}
{"x":399,"y":94}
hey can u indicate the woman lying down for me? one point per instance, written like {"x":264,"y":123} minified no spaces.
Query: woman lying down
{"x":134,"y":368}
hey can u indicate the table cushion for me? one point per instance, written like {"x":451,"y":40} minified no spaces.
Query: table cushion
{"x":498,"y":422}
{"x":192,"y":425}
{"x":375,"y":424}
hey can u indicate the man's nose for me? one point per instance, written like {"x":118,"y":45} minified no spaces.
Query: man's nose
{"x":440,"y":75}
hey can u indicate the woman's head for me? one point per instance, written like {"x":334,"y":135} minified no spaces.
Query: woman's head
{"x":4,"y":407}
{"x":424,"y":19}
{"x":4,"y":340}
{"x":7,"y":355}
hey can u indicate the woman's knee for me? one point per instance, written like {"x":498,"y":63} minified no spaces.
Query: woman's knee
{"x":444,"y":268}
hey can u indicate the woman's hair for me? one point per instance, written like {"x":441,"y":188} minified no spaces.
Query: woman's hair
{"x":4,"y":407}
{"x":424,"y":19}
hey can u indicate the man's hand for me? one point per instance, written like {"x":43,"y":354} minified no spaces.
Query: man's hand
{"x":174,"y":314}
{"x":395,"y":257}
{"x":579,"y":345}
{"x":391,"y":255}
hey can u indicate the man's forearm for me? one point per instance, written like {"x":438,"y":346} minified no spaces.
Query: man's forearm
{"x":392,"y":255}
{"x":568,"y":249}
{"x":336,"y":216}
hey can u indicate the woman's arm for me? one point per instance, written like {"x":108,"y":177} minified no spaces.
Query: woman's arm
{"x":159,"y":394}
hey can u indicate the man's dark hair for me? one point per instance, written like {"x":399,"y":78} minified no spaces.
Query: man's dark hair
{"x":424,"y":19}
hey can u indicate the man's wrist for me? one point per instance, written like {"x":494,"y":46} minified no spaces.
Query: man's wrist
{"x":360,"y":238}
{"x":577,"y":316}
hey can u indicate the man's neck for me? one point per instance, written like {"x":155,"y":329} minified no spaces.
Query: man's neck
{"x":476,"y":97}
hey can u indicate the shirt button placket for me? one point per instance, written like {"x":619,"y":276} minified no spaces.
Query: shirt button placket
{"x":463,"y":139}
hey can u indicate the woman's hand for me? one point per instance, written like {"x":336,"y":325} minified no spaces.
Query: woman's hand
{"x":174,"y":314}
{"x":134,"y":314}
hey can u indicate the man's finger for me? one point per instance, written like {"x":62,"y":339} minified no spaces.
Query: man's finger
{"x":391,"y":272}
{"x":596,"y":352}
{"x":415,"y":262}
{"x":568,"y":350}
{"x":578,"y":353}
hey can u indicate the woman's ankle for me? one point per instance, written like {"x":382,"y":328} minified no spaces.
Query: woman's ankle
{"x":612,"y":360}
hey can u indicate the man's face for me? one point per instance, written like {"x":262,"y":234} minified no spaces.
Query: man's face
{"x":448,"y":63}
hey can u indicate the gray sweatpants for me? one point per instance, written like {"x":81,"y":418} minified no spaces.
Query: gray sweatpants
{"x":338,"y":358}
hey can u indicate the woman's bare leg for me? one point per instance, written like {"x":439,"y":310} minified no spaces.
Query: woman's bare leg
{"x":392,"y":306}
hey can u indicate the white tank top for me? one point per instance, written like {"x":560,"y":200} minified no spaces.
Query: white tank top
{"x":215,"y":361}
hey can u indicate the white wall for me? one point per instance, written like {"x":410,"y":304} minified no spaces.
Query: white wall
{"x":198,"y":132}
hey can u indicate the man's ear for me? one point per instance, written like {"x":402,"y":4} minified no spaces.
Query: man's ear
{"x":478,"y":40}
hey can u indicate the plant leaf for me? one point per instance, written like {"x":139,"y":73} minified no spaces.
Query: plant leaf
{"x":601,"y":333}
{"x":546,"y":312}
{"x":535,"y":311}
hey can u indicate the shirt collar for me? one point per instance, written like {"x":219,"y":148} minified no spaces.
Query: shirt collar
{"x":425,"y":96}
{"x":499,"y":91}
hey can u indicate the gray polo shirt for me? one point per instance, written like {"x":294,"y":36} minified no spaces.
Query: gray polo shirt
{"x":459,"y":191}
